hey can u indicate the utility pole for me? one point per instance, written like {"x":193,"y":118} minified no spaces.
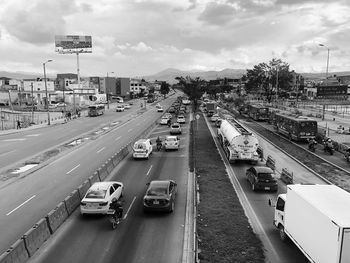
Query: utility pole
{"x":47,"y":98}
{"x":32,"y":102}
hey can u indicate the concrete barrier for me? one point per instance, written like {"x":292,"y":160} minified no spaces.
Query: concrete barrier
{"x":125,"y":151}
{"x":56,"y":217}
{"x":72,"y":201}
{"x":82,"y":189}
{"x":109,"y":165}
{"x":270,"y":162}
{"x":115,"y":159}
{"x":36,"y":236}
{"x":94,"y":178}
{"x":17,"y":253}
{"x":286,"y":176}
{"x":102,"y":172}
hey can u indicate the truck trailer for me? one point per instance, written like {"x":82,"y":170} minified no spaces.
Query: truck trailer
{"x":316,"y":218}
{"x":238,"y":143}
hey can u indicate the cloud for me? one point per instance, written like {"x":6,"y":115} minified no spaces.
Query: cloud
{"x":217,"y":14}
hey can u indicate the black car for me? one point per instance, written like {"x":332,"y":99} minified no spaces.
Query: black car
{"x":262,"y":178}
{"x":160,"y":196}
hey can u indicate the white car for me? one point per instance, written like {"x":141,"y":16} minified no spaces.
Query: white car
{"x":120,"y":108}
{"x":99,"y":196}
{"x":142,"y":148}
{"x":175,"y":128}
{"x":181,"y":119}
{"x":214,"y":117}
{"x":164,"y":120}
{"x":126,"y":106}
{"x":171,"y":143}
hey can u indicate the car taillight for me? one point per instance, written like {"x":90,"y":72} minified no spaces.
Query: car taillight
{"x":103,"y":204}
{"x":82,"y":203}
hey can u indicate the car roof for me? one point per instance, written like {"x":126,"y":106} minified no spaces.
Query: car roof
{"x":161,"y":183}
{"x":170,"y":136}
{"x":142,"y":140}
{"x":175,"y":124}
{"x":263,"y":169}
{"x":102,"y":185}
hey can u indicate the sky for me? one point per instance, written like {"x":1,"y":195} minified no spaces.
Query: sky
{"x":133,"y":38}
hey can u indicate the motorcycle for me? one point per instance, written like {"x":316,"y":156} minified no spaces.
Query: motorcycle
{"x":312,"y":146}
{"x":159,"y":146}
{"x":115,"y":220}
{"x":347,"y":156}
{"x":329,"y":149}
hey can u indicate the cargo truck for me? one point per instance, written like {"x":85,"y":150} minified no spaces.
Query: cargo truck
{"x":316,"y":218}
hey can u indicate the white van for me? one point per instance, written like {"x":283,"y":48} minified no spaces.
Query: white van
{"x":142,"y":148}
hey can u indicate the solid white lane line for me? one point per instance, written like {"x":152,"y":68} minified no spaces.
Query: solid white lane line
{"x":33,"y":135}
{"x":149,"y":170}
{"x":14,"y":140}
{"x":118,"y":138}
{"x":127,"y":212}
{"x":21,"y":205}
{"x":73,"y":169}
{"x":100,"y":150}
{"x":7,"y":152}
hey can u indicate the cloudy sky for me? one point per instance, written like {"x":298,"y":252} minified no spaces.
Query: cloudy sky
{"x":142,"y":37}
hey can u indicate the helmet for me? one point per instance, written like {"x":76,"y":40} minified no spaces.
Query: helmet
{"x":329,"y":140}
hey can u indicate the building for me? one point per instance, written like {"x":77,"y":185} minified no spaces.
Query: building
{"x":123,"y":87}
{"x":34,"y":90}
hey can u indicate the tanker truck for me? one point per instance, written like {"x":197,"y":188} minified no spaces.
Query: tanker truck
{"x":316,"y":218}
{"x":238,"y":143}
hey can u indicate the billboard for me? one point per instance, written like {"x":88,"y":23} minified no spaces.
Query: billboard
{"x":73,"y":44}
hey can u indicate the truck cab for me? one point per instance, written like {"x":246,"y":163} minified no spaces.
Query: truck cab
{"x":279,"y":215}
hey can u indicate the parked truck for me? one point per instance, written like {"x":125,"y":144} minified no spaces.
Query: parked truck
{"x":238,"y":143}
{"x":316,"y":218}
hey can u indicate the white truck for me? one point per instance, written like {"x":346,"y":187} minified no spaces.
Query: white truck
{"x":317,"y":219}
{"x":238,"y":143}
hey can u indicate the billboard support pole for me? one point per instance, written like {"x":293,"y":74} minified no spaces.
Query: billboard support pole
{"x":78,"y":73}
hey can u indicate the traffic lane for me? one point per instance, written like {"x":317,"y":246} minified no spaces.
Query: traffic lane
{"x":287,"y":251}
{"x":140,"y":236}
{"x":18,"y":146}
{"x":53,"y":182}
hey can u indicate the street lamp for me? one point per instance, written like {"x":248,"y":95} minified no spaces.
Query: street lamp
{"x":322,"y":45}
{"x":47,"y":98}
{"x":107,"y":91}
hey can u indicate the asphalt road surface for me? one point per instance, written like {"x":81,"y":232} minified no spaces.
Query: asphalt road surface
{"x":150,"y":237}
{"x":30,"y":196}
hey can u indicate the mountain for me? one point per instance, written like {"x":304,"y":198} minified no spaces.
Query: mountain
{"x":170,"y":74}
{"x":20,"y":75}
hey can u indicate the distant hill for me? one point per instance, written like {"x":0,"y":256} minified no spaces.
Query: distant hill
{"x":170,"y":74}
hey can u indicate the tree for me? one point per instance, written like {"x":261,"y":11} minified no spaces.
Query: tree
{"x":193,"y":88}
{"x":264,"y":77}
{"x":164,"y":88}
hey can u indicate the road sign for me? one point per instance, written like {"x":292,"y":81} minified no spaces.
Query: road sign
{"x":197,"y":116}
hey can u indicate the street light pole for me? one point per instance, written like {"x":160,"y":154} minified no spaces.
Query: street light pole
{"x":107,"y":93}
{"x":322,"y":45}
{"x":47,"y":98}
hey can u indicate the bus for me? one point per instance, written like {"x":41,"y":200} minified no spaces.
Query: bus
{"x":96,"y":110}
{"x":297,"y":128}
{"x":258,"y":112}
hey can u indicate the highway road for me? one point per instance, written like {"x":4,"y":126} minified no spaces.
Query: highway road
{"x":33,"y":194}
{"x":16,"y":148}
{"x":150,"y":237}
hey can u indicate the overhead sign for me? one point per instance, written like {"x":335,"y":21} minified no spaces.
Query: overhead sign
{"x":73,"y":44}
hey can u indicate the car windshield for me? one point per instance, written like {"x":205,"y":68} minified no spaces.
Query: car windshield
{"x":157,"y":191}
{"x":171,"y":139}
{"x":96,"y":194}
{"x":175,"y":126}
{"x":265,"y":176}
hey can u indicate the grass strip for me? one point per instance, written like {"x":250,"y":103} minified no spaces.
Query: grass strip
{"x":225,"y":234}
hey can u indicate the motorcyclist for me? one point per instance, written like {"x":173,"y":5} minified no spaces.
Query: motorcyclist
{"x":328,"y":145}
{"x":312,"y":143}
{"x":117,"y":206}
{"x":159,"y":143}
{"x":169,"y":122}
{"x":347,"y":154}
